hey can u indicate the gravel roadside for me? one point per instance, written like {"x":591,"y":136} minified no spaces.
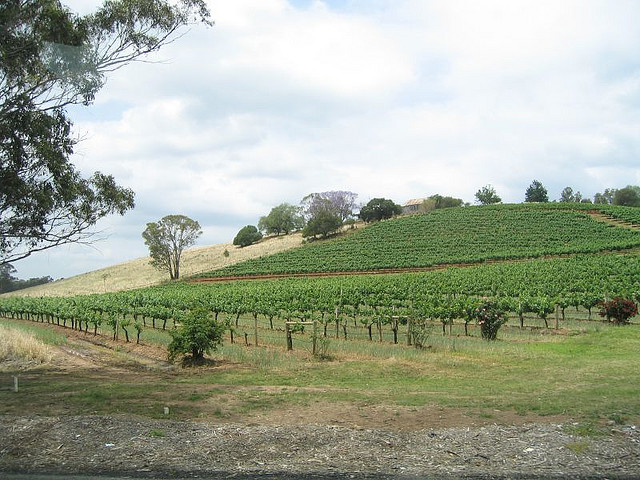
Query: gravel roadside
{"x":138,"y":447}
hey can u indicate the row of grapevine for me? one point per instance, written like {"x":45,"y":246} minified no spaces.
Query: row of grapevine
{"x":535,"y":286}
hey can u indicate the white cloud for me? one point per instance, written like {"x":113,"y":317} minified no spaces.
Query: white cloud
{"x":394,"y":98}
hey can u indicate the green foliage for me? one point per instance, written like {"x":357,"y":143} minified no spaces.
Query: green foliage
{"x":166,"y":240}
{"x":487,"y":195}
{"x":284,"y":218}
{"x":628,"y":196}
{"x":247,"y":236}
{"x":618,"y":310}
{"x":199,"y":333}
{"x":436,"y":202}
{"x":490,"y":316}
{"x":50,"y":59}
{"x":536,"y":192}
{"x":322,"y":223}
{"x":569,"y":196}
{"x":379,"y":209}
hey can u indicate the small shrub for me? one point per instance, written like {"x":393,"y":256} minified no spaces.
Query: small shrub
{"x":420,"y":333}
{"x":199,"y":333}
{"x":618,"y":310}
{"x":490,"y":316}
{"x":322,"y":348}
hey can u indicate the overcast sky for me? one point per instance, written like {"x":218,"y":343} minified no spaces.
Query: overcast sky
{"x":385,"y":98}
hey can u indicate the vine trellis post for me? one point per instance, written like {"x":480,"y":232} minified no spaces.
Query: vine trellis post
{"x":290,"y":338}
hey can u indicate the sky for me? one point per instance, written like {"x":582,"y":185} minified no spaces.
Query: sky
{"x":385,"y":98}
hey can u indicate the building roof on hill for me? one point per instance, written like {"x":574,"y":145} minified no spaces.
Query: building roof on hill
{"x":414,"y":201}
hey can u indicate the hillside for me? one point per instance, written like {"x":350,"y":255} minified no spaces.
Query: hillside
{"x":458,"y":235}
{"x":448,"y":236}
{"x":139,"y":273}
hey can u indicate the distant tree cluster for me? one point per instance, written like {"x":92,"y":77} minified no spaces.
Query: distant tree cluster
{"x":320,"y":214}
{"x":9,"y":283}
{"x":628,"y":196}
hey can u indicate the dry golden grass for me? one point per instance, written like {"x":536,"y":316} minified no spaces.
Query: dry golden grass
{"x":139,"y":273}
{"x":16,"y":345}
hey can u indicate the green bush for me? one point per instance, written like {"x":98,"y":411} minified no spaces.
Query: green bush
{"x":199,"y":333}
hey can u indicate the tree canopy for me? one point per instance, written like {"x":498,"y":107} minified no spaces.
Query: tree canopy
{"x":536,"y":192}
{"x":339,"y":203}
{"x":569,"y":196}
{"x":284,"y":218}
{"x":246,"y":236}
{"x":167,"y":239}
{"x":9,"y":283}
{"x":323,"y":223}
{"x":629,"y":196}
{"x":487,"y":195}
{"x":51,"y":58}
{"x":379,"y":209}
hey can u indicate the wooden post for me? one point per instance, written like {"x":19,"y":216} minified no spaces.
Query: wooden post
{"x":15,"y":383}
{"x":289,"y":339}
{"x":315,"y":335}
{"x":255,"y":330}
{"x":557,"y":315}
{"x":408,"y":331}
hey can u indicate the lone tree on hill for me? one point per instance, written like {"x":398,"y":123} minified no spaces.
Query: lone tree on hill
{"x":536,"y":193}
{"x":246,"y":236}
{"x":51,"y":58}
{"x":167,"y":239}
{"x":487,"y":195}
{"x":379,"y":209}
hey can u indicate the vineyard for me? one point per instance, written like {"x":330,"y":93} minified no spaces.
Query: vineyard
{"x":395,"y":308}
{"x":400,"y":308}
{"x":453,"y":236}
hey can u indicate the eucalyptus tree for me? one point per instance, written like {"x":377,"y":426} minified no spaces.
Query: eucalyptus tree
{"x":51,"y":59}
{"x":167,"y":238}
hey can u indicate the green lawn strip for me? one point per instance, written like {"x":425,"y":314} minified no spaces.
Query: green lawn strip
{"x":588,"y":375}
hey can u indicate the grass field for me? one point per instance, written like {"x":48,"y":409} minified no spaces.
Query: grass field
{"x":588,"y":375}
